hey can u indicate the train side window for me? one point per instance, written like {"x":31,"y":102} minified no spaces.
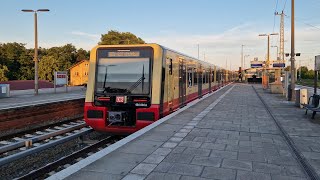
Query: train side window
{"x":189,"y":78}
{"x":195,"y":77}
{"x":170,"y":67}
{"x":206,"y":77}
{"x":212,"y":76}
{"x":203,"y":77}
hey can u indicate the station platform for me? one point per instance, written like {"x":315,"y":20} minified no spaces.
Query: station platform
{"x":22,"y":98}
{"x":228,"y":134}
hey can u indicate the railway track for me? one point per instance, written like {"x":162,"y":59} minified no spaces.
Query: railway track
{"x":22,"y":146}
{"x":60,"y":164}
{"x":308,"y":169}
{"x":46,"y":149}
{"x":39,"y":154}
{"x":40,"y":128}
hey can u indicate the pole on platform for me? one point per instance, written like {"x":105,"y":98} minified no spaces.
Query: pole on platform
{"x":315,"y":81}
{"x":55,"y":81}
{"x":198,"y":51}
{"x":242,"y":62}
{"x":293,"y":81}
{"x":36,"y":61}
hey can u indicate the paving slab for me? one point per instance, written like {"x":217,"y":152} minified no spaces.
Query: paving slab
{"x":229,"y":135}
{"x":300,"y":128}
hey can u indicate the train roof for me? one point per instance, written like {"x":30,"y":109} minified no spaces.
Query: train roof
{"x":124,"y":45}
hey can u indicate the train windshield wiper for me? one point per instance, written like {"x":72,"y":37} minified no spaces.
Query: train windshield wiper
{"x":114,"y":90}
{"x":138,"y":82}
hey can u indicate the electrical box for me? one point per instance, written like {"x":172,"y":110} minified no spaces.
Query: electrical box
{"x":303,"y":97}
{"x":4,"y":90}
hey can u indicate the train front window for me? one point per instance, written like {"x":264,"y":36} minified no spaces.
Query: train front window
{"x":123,"y":76}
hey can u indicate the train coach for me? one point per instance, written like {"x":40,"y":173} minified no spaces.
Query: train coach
{"x":131,"y":86}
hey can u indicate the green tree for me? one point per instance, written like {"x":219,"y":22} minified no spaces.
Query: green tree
{"x":26,"y":70}
{"x":303,"y":71}
{"x":65,"y":55}
{"x":82,"y":54}
{"x":309,"y":74}
{"x":3,"y":71}
{"x":114,"y":37}
{"x":10,"y":54}
{"x":47,"y":66}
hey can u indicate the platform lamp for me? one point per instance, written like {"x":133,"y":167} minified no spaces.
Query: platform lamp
{"x":36,"y":73}
{"x":296,"y":54}
{"x":265,"y":80}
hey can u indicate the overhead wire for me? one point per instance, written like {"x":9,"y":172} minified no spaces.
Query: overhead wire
{"x":308,"y":24}
{"x":274,"y":20}
{"x":284,"y":6}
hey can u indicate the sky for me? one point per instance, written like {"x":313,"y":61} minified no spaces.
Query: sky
{"x":219,"y":27}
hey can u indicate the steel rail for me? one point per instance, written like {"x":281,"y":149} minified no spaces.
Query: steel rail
{"x":22,"y":143}
{"x":308,"y":169}
{"x":67,"y":159}
{"x":28,"y":152}
{"x":40,"y":128}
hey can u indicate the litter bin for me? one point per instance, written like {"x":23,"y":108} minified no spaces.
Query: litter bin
{"x":303,"y":97}
{"x":289,"y":93}
{"x":4,"y":90}
{"x":297,"y":92}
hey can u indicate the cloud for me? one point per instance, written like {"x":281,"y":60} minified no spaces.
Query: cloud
{"x":88,"y":35}
{"x":226,"y":46}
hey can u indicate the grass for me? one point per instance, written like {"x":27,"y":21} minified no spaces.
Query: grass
{"x":307,"y":82}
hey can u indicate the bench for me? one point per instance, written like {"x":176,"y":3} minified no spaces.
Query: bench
{"x":313,"y":105}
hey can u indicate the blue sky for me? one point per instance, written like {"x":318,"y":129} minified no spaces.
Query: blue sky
{"x":220,"y":27}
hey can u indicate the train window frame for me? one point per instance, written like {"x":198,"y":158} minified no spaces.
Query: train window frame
{"x":170,"y":67}
{"x":212,"y":75}
{"x":145,"y":49}
{"x":190,"y":76}
{"x":203,"y":77}
{"x":195,"y":77}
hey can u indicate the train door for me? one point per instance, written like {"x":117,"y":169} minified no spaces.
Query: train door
{"x":170,"y":83}
{"x":210,"y":79}
{"x":182,"y":82}
{"x":200,"y":81}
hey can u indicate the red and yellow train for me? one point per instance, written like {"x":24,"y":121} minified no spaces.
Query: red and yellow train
{"x":131,"y":86}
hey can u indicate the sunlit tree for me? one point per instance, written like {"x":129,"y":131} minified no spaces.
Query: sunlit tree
{"x":115,"y":37}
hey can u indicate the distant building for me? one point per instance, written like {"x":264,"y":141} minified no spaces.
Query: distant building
{"x":79,"y":73}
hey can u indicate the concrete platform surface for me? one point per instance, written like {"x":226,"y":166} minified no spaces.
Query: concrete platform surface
{"x":228,"y":135}
{"x":20,"y":98}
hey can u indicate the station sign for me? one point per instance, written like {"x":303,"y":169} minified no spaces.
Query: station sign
{"x":281,"y":65}
{"x":61,"y":77}
{"x":256,"y":65}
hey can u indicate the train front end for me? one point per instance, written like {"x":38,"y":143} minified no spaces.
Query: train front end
{"x":119,"y":91}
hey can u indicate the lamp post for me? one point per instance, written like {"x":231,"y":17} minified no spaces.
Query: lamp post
{"x":244,"y":59}
{"x":198,"y":51}
{"x":277,"y":51}
{"x":268,"y":53}
{"x":293,"y":54}
{"x":265,"y":79}
{"x":36,"y":73}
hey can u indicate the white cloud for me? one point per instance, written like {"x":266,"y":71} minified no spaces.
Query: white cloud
{"x":219,"y":47}
{"x":83,"y":34}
